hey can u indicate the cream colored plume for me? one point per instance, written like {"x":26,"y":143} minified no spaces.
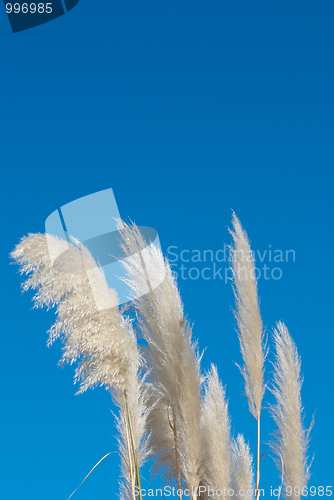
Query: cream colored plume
{"x":216,"y":436}
{"x":171,"y":356}
{"x":248,"y":317}
{"x":242,"y":466}
{"x":94,"y":336}
{"x":292,"y":438}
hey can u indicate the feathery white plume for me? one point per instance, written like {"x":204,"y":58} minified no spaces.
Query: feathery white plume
{"x":248,"y":317}
{"x":242,"y":465}
{"x":93,"y":331}
{"x":216,"y":438}
{"x":171,"y":356}
{"x":292,"y":438}
{"x":97,"y":339}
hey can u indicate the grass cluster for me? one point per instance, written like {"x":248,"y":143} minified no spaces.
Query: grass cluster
{"x":169,"y":411}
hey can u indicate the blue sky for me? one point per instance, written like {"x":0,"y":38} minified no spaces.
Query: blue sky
{"x":187,"y":110}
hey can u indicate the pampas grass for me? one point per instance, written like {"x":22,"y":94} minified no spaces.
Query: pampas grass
{"x":250,"y":330}
{"x":102,"y":342}
{"x":216,"y":435}
{"x":292,"y":438}
{"x":97,"y":340}
{"x":132,"y":442}
{"x":173,"y":360}
{"x":242,"y":466}
{"x":168,"y":410}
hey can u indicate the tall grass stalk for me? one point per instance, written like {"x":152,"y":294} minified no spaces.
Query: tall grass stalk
{"x":250,"y":330}
{"x":94,"y":333}
{"x":172,"y":357}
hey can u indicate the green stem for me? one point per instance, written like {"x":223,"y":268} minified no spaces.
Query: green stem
{"x":258,"y":460}
{"x":132,"y":479}
{"x":133,"y":445}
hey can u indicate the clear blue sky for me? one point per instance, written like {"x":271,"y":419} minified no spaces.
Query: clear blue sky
{"x":187,"y":110}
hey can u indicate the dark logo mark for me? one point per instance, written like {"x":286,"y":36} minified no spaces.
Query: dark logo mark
{"x":24,"y":15}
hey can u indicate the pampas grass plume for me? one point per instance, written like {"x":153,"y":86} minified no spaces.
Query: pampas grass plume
{"x":216,"y":438}
{"x":248,"y":317}
{"x":292,"y":437}
{"x":242,"y":465}
{"x":97,"y":339}
{"x":172,"y":357}
{"x":94,"y":334}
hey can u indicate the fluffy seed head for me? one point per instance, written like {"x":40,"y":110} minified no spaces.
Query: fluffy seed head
{"x":292,"y":438}
{"x":248,"y":317}
{"x":93,"y":331}
{"x":242,"y":464}
{"x":216,"y":438}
